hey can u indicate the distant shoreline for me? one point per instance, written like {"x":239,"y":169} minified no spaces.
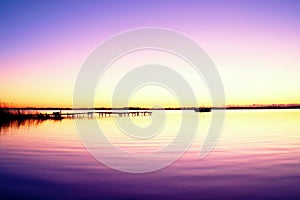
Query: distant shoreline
{"x":183,"y":108}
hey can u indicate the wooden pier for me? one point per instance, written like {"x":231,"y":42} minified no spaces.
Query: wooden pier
{"x":92,"y":114}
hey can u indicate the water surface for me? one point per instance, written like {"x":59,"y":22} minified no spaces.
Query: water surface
{"x":257,"y":156}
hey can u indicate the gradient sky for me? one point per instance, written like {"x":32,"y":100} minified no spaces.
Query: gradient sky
{"x":254,"y":44}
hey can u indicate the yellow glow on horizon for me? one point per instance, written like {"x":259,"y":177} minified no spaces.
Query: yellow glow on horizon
{"x":245,"y":83}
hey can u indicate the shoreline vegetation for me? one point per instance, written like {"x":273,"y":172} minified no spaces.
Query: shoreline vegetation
{"x":20,"y":117}
{"x":23,"y":114}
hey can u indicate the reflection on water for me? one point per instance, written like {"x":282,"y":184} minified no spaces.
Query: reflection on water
{"x":7,"y":125}
{"x":257,"y":156}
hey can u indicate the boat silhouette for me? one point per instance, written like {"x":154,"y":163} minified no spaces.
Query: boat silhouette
{"x":202,"y":109}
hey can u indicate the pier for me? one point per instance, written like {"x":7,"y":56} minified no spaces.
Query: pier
{"x":7,"y":115}
{"x":100,"y":114}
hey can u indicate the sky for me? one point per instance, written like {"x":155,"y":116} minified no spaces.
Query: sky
{"x":255,"y":46}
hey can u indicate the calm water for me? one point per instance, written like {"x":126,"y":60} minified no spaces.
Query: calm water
{"x":257,"y":156}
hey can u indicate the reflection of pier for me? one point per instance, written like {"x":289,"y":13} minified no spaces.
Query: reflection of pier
{"x":100,"y":114}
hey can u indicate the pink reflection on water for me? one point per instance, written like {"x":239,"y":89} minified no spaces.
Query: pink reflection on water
{"x":257,"y":156}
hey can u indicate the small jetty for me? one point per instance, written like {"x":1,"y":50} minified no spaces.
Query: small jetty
{"x":7,"y":115}
{"x":202,"y":109}
{"x":103,"y":114}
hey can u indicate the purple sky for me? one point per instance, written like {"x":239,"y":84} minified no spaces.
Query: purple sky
{"x":254,"y":44}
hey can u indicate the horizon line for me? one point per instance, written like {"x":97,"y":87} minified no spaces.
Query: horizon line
{"x":253,"y":106}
